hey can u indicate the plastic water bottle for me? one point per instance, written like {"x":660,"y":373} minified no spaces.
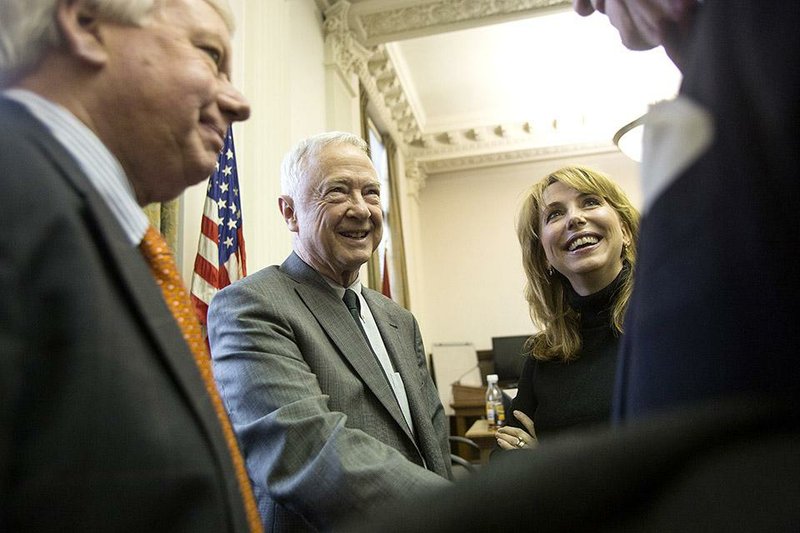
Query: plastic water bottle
{"x":495,"y":412}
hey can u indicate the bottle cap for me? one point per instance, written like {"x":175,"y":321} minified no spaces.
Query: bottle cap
{"x":491,"y":378}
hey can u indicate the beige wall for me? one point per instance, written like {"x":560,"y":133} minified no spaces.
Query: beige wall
{"x":470,"y":260}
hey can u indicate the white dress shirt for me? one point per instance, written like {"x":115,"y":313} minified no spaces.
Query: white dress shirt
{"x":379,"y":348}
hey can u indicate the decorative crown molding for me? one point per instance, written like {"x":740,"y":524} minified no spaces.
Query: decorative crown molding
{"x":375,"y":23}
{"x":387,"y":94}
{"x":431,"y":152}
{"x":343,"y":49}
{"x":375,"y":72}
{"x":497,"y":158}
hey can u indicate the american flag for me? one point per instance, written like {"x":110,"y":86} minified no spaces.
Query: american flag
{"x":220,"y":251}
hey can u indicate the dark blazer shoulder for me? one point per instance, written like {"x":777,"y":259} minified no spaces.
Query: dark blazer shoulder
{"x":24,"y":139}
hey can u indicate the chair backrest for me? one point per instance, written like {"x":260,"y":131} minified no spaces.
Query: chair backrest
{"x":462,"y":468}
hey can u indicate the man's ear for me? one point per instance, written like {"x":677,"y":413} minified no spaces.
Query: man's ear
{"x":80,"y":27}
{"x":286,"y":205}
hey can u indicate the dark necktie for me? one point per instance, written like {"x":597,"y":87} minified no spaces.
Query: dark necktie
{"x":354,"y":306}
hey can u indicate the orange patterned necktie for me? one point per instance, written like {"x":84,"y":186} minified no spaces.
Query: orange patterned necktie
{"x":164,"y":269}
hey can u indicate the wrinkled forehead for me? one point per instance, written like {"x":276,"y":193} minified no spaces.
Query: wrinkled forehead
{"x":342,"y":162}
{"x":342,"y":155}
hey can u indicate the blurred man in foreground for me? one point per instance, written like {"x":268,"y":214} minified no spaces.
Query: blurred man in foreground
{"x":106,"y":420}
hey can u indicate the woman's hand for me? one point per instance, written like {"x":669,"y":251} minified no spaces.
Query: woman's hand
{"x":510,"y":438}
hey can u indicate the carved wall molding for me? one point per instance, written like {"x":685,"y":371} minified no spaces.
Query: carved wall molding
{"x":342,"y":48}
{"x":416,"y":177}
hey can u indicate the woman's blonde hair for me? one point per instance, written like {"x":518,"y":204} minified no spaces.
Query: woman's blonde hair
{"x":559,"y":337}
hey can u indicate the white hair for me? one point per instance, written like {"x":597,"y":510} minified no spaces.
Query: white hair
{"x":28,"y":28}
{"x":304,"y":155}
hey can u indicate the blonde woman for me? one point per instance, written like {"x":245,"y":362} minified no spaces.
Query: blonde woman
{"x":578,"y":233}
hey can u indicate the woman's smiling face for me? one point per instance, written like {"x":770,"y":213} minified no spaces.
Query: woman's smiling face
{"x":582,"y":236}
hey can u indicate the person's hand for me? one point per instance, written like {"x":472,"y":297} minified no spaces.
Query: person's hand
{"x":510,"y":438}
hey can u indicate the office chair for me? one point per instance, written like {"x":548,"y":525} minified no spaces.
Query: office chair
{"x":462,"y":467}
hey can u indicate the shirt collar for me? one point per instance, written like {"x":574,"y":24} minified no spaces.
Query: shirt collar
{"x":355,"y":286}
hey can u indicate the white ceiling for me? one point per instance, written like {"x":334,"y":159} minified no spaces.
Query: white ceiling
{"x":484,"y":76}
{"x":555,"y":66}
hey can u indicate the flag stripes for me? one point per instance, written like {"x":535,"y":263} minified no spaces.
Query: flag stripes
{"x":220,"y":258}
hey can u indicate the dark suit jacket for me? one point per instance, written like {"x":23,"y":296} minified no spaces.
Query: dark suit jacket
{"x":716,"y":301}
{"x":105,"y":424}
{"x":721,"y":467}
{"x":321,"y":430}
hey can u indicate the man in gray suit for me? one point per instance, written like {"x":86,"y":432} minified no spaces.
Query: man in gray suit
{"x":335,"y":413}
{"x":105,"y":421}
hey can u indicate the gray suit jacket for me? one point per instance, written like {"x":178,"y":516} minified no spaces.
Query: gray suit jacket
{"x":320,"y":427}
{"x":105,"y":424}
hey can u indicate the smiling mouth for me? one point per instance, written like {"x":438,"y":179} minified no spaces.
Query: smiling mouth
{"x":582,"y":242}
{"x":219,"y":139}
{"x":354,"y":234}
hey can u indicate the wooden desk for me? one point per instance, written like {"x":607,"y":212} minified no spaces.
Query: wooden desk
{"x":484,"y":437}
{"x":464,"y":411}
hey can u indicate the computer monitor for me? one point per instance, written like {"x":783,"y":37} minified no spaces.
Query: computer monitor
{"x":509,"y":356}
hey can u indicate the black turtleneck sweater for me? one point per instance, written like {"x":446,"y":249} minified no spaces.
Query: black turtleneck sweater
{"x":559,"y":396}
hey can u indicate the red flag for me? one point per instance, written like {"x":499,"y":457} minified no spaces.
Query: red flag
{"x":386,"y":288}
{"x":220,"y":256}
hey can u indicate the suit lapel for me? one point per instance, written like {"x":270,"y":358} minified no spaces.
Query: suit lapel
{"x":138,"y":286}
{"x":335,"y":320}
{"x":402,"y":351}
{"x":148,"y":303}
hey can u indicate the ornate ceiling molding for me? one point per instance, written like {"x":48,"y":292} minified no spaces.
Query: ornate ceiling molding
{"x":381,"y":82}
{"x":342,"y":48}
{"x":382,"y":21}
{"x":458,"y":162}
{"x":432,"y":152}
{"x":375,"y":72}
